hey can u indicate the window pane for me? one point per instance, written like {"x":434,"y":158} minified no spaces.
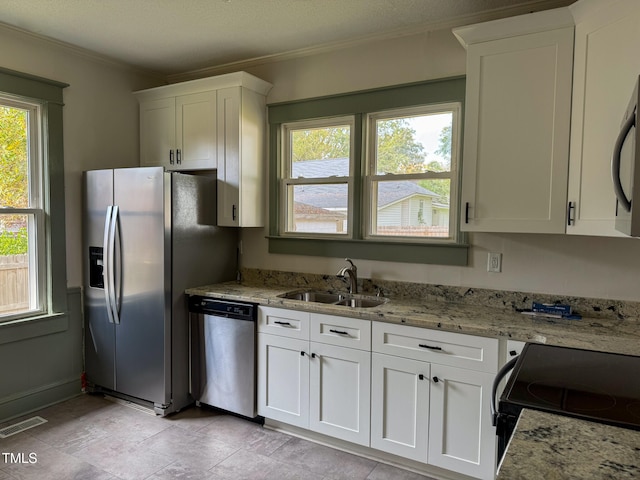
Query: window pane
{"x":319,"y":209}
{"x":15,"y":287}
{"x":409,"y":209}
{"x":415,"y":144}
{"x":14,"y":157}
{"x":320,"y":152}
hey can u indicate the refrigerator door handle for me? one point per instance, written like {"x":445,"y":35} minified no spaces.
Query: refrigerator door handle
{"x":108,"y":262}
{"x":113,"y":304}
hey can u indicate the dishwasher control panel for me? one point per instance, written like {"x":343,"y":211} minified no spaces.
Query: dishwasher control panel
{"x":221,"y":308}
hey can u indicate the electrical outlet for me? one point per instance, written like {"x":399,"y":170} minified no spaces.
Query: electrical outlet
{"x":494,"y":262}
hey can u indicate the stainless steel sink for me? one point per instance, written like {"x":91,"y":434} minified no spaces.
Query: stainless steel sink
{"x":312,"y":296}
{"x":355,"y":302}
{"x":346,"y":300}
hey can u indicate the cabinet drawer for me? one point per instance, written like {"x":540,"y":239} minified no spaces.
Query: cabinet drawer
{"x":446,"y":348}
{"x":286,"y":323}
{"x":341,"y":331}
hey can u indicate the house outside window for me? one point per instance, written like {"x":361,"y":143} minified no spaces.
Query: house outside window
{"x":31,"y":197}
{"x":370,"y":174}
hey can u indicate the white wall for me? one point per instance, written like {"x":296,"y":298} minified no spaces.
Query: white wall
{"x":555,"y":264}
{"x":100,"y":117}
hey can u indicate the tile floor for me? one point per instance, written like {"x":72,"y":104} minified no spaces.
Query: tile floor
{"x":89,"y":437}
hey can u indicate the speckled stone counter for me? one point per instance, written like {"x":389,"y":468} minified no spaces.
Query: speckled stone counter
{"x":551,"y":447}
{"x":613,"y":327}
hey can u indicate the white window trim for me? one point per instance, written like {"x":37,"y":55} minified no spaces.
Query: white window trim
{"x":39,"y":303}
{"x":370,"y":176}
{"x":286,"y":181}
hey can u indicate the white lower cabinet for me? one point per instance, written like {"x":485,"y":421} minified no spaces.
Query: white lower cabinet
{"x":319,"y":386}
{"x":400,"y":406}
{"x":283,"y":379}
{"x":339,"y":392}
{"x":420,"y":394}
{"x":461,"y":437}
{"x":430,"y":397}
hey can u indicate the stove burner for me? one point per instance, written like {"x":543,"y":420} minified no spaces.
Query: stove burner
{"x":577,"y":398}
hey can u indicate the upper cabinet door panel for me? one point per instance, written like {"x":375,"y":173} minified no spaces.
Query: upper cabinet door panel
{"x":196,"y":130}
{"x":517,"y":133}
{"x":157,"y":132}
{"x":607,"y":65}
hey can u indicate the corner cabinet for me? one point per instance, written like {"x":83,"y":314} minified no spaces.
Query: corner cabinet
{"x":517,"y":123}
{"x":212,"y":123}
{"x":606,"y":66}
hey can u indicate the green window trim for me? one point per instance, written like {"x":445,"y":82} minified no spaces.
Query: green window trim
{"x":446,"y":90}
{"x":49,"y":94}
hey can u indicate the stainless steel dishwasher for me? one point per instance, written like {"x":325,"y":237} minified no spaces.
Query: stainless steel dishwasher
{"x":223,"y":354}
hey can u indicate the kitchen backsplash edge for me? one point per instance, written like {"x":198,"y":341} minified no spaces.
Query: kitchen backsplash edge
{"x":503,"y":299}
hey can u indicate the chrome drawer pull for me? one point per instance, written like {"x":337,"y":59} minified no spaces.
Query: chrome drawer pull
{"x":430,"y":347}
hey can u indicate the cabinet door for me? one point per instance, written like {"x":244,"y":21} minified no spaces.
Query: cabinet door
{"x":283,"y":379}
{"x":339,"y":392}
{"x":241,"y":157}
{"x":229,"y":156}
{"x":196,"y":131}
{"x":516,"y":146}
{"x":158,"y":133}
{"x":461,"y":437}
{"x":606,"y":68}
{"x":400,"y":406}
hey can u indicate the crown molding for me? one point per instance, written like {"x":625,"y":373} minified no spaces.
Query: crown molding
{"x":422,"y":28}
{"x":84,"y":52}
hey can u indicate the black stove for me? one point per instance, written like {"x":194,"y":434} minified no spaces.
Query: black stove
{"x":597,"y":386}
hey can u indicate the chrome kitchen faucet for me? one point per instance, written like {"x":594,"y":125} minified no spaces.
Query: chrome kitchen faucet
{"x":352,"y":273}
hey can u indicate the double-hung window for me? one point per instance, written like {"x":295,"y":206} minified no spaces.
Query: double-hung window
{"x":22,"y":233}
{"x":32,"y":219}
{"x":369,"y":175}
{"x":411,"y":173}
{"x":317,"y":185}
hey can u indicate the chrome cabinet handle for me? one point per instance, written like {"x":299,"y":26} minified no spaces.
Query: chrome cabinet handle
{"x":171,"y":156}
{"x":178,"y":156}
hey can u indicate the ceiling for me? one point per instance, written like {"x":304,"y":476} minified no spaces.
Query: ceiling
{"x":178,"y":36}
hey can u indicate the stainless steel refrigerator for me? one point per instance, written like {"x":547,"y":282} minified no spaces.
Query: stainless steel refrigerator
{"x":148,"y":235}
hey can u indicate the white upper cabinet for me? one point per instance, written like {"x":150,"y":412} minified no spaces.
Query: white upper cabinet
{"x":517,"y":123}
{"x":179,"y":133}
{"x":241,"y":157}
{"x":606,"y":66}
{"x":212,"y":123}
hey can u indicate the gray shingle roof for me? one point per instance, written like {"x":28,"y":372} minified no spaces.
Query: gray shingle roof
{"x":335,"y":196}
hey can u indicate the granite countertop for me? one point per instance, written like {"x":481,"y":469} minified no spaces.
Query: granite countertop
{"x":602,"y":334}
{"x":550,"y":447}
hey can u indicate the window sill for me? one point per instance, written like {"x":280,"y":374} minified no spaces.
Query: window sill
{"x":31,"y":327}
{"x":438,"y":254}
